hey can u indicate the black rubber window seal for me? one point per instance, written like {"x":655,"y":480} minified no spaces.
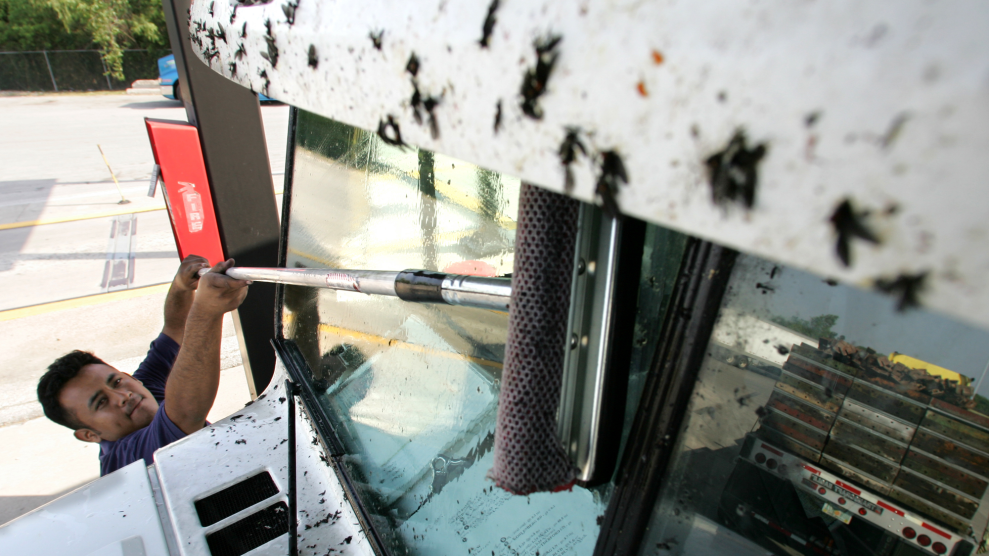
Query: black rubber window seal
{"x":701,"y":284}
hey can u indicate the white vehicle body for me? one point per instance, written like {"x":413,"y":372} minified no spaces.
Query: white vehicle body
{"x":854,"y":101}
{"x":150,"y":510}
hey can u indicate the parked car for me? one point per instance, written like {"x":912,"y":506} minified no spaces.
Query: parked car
{"x":168,"y":77}
{"x":169,"y":80}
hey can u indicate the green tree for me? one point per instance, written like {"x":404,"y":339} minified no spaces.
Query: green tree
{"x":820,"y":326}
{"x":113,"y":25}
{"x":109,"y":25}
{"x":34,"y":25}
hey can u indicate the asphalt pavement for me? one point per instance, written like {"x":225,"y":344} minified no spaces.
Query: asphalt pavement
{"x":80,"y":270}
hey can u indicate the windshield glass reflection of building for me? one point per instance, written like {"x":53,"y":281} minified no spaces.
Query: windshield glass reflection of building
{"x":373,"y":206}
{"x":804,"y":389}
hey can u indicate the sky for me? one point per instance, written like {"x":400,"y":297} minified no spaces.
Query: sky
{"x":865,"y":318}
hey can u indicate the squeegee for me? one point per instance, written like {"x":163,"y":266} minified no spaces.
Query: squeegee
{"x":422,"y":286}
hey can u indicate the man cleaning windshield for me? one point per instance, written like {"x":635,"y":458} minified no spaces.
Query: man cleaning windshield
{"x":128,"y":415}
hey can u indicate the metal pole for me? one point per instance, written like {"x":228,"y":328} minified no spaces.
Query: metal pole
{"x":293,"y":520}
{"x":50,"y":73}
{"x":106,"y":73}
{"x":975,"y":392}
{"x":122,"y":201}
{"x":423,"y":286}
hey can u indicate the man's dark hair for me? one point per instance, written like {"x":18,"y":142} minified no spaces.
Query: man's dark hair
{"x":64,"y":369}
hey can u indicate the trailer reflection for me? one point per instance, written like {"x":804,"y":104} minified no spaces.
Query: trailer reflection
{"x":803,"y":439}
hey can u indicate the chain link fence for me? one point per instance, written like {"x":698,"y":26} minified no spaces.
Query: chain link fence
{"x":72,"y":70}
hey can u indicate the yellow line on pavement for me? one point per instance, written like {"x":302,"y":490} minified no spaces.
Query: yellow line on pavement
{"x":43,"y":221}
{"x":81,"y":302}
{"x":470,"y":203}
{"x":314,"y":258}
{"x":372,"y":338}
{"x":375,"y":339}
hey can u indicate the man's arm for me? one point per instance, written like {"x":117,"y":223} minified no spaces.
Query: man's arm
{"x":178,"y":301}
{"x":195,"y":377}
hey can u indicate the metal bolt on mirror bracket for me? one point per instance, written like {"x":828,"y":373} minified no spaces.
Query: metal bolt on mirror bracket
{"x":581,"y":267}
{"x":155,"y":178}
{"x":573,"y":341}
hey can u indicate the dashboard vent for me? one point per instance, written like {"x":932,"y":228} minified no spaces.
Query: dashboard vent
{"x":225,"y":503}
{"x":249,"y":533}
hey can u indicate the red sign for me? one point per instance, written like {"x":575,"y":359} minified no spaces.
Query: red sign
{"x":187,"y":196}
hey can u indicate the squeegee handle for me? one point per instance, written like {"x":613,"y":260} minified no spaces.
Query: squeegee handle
{"x":422,"y":286}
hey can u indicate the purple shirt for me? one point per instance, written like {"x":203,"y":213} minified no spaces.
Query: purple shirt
{"x":153,"y":373}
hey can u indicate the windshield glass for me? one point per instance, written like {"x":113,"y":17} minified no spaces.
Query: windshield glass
{"x":412,"y":389}
{"x":824,"y":421}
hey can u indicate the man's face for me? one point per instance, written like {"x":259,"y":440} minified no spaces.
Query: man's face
{"x":109,"y":403}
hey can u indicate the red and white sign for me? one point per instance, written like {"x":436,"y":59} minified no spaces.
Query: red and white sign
{"x":178,"y":152}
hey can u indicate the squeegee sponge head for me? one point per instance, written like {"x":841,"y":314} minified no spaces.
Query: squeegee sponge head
{"x":528,"y":454}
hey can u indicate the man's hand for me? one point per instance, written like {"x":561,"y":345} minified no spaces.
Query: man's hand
{"x":180,"y":296}
{"x":219,"y":293}
{"x":187,"y":277}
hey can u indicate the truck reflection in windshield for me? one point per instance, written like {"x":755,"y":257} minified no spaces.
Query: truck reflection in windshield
{"x":802,"y":441}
